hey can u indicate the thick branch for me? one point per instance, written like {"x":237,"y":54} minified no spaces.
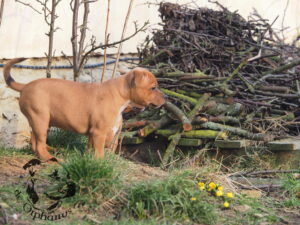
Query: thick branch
{"x":186,"y":123}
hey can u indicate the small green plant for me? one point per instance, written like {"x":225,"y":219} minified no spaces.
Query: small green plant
{"x":4,"y":151}
{"x":292,"y":191}
{"x":96,"y":179}
{"x":172,"y":198}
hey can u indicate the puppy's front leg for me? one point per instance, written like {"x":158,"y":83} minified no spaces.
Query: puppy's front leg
{"x":98,"y":139}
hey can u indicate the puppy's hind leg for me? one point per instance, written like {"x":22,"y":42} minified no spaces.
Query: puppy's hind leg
{"x":33,"y":142}
{"x":39,"y":129}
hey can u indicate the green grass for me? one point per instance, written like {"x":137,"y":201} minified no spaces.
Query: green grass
{"x":26,"y":151}
{"x":97,"y":180}
{"x":171,"y":199}
{"x":259,"y":211}
{"x":8,"y":197}
{"x":156,"y":201}
{"x":292,"y":191}
{"x":59,"y":138}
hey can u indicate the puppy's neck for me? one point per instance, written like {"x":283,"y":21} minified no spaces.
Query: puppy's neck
{"x":123,"y":88}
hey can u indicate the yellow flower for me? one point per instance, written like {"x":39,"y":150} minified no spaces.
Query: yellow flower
{"x":220,"y":188}
{"x":193,"y":199}
{"x":229,"y":195}
{"x":212,"y":185}
{"x":219,"y":193}
{"x":201,"y":185}
{"x":226,"y":204}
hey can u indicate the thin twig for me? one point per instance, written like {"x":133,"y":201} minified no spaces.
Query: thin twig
{"x":1,"y":10}
{"x":137,"y":30}
{"x":122,"y":37}
{"x":29,"y":5}
{"x":83,"y":29}
{"x":282,"y":22}
{"x":74,"y":37}
{"x":250,"y":173}
{"x":106,"y":39}
{"x":51,"y":36}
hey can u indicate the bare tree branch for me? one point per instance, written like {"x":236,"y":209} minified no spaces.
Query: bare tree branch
{"x":282,"y":22}
{"x":29,"y":5}
{"x":74,"y":37}
{"x":123,"y":34}
{"x":49,"y":17}
{"x":83,"y":29}
{"x":51,"y":36}
{"x":106,"y":39}
{"x":1,"y":10}
{"x":109,"y":45}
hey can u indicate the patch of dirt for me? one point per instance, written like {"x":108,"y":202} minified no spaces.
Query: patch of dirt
{"x":142,"y":172}
{"x":11,"y":168}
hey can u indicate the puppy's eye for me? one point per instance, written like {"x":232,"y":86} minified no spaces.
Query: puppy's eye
{"x":153,"y":88}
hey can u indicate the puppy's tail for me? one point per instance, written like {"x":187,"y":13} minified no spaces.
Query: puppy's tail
{"x":7,"y":77}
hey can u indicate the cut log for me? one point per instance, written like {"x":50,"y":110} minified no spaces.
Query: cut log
{"x":200,"y":134}
{"x":129,"y":134}
{"x":186,"y":123}
{"x":190,"y":142}
{"x":237,"y":131}
{"x":179,"y":96}
{"x":217,"y":119}
{"x":155,"y":125}
{"x":175,"y":138}
{"x":220,"y":108}
{"x":132,"y":140}
{"x":232,"y":144}
{"x":284,"y":145}
{"x":205,"y":134}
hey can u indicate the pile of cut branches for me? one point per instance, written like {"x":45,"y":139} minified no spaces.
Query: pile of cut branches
{"x":225,"y":77}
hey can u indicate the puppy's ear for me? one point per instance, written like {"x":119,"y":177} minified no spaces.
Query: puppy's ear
{"x":137,"y":77}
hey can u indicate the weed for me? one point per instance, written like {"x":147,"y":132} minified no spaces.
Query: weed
{"x":171,"y":198}
{"x":291,"y":185}
{"x":96,"y":179}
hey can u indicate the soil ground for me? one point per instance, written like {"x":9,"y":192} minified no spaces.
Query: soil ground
{"x":12,"y":172}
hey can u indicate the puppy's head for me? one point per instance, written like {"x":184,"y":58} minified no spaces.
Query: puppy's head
{"x":144,"y":88}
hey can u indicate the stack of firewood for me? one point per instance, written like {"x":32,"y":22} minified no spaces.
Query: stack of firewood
{"x":225,"y":78}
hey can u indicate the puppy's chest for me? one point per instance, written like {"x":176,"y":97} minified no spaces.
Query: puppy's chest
{"x":119,"y":118}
